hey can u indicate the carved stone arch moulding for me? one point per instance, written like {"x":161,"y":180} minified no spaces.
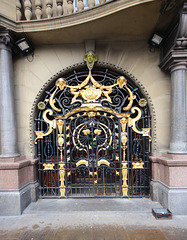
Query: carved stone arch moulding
{"x":76,"y":67}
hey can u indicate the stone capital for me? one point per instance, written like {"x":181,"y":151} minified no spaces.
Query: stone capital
{"x":175,"y":60}
{"x":5,"y":40}
{"x":174,"y":47}
{"x":178,"y":66}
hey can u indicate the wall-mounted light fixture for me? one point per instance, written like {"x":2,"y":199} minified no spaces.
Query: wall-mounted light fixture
{"x":24,"y":46}
{"x":156,"y":40}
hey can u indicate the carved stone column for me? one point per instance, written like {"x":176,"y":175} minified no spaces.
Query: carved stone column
{"x":8,"y":146}
{"x":178,"y":109}
{"x":176,"y":63}
{"x":174,"y":60}
{"x":18,"y":179}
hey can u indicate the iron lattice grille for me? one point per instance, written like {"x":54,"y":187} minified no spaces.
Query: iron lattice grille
{"x":92,"y":154}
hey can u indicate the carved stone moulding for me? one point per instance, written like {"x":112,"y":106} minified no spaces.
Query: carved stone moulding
{"x":174,"y":58}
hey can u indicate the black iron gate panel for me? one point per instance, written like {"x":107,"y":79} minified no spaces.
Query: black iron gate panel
{"x":93,"y":153}
{"x":93,"y":137}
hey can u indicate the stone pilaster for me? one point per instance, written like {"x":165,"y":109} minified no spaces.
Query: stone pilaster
{"x":8,"y":146}
{"x":178,"y":109}
{"x":18,"y":179}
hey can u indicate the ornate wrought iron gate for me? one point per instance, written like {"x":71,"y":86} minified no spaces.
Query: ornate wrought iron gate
{"x":93,"y":138}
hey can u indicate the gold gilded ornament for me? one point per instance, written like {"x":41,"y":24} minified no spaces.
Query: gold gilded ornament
{"x":124,"y":179}
{"x":52,"y":125}
{"x":97,"y":131}
{"x":142,"y":102}
{"x":103,"y":162}
{"x":121,"y":81}
{"x":86,"y":132}
{"x":62,"y":179}
{"x":90,"y":58}
{"x":82,"y":162}
{"x":91,"y":94}
{"x":123,"y":122}
{"x":90,"y":90}
{"x":137,"y":165}
{"x":60,"y":124}
{"x":61,"y":83}
{"x":41,"y":105}
{"x":91,"y":114}
{"x":48,"y":166}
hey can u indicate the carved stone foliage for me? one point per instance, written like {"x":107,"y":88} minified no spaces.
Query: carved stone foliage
{"x":5,"y":40}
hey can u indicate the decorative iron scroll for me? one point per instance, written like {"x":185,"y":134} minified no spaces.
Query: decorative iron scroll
{"x":87,"y":110}
{"x":91,"y":91}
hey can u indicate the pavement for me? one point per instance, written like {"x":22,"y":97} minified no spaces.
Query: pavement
{"x":92,"y":219}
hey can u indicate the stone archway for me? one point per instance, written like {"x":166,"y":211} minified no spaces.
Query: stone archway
{"x":67,"y":98}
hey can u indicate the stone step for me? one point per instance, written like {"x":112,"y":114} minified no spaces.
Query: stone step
{"x":135,"y":205}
